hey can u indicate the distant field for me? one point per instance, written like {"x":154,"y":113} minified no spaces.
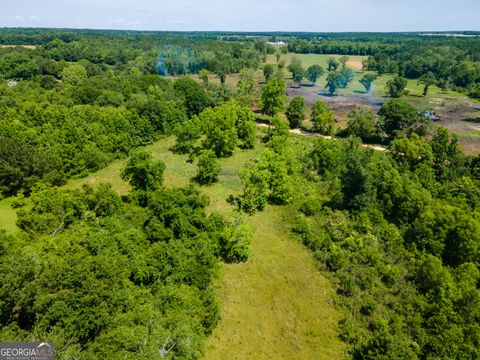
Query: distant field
{"x":355,"y":63}
{"x":32,"y":47}
{"x":312,"y":59}
{"x":448,"y":35}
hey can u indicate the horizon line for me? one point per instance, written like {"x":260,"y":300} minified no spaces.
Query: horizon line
{"x":247,"y":31}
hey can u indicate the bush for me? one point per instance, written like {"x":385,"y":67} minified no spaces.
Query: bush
{"x":296,"y":112}
{"x":322,"y":118}
{"x":311,"y":207}
{"x":208,"y":168}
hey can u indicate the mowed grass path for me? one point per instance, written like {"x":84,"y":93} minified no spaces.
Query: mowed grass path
{"x":274,"y":306}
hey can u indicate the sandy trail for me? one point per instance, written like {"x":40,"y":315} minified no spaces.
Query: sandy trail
{"x":310,"y":134}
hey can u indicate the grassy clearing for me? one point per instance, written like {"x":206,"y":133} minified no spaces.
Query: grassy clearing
{"x":178,"y":173}
{"x":8,"y":216}
{"x":274,"y":306}
{"x":311,"y":59}
{"x":414,"y":89}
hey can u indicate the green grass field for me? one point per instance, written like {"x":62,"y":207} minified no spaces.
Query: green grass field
{"x":274,"y":306}
{"x":8,"y":216}
{"x":320,"y":59}
{"x":413,"y":87}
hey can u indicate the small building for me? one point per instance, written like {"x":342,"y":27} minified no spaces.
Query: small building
{"x":12,"y":83}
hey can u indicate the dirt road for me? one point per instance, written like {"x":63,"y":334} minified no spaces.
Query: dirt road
{"x":310,"y":134}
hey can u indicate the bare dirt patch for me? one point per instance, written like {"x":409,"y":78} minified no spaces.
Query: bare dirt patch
{"x":463,"y":118}
{"x":340,"y":104}
{"x":357,"y":65}
{"x":457,"y":113}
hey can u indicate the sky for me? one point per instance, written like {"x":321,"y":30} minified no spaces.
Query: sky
{"x":245,"y":15}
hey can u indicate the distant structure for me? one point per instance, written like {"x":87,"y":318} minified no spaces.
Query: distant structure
{"x":12,"y":83}
{"x":276,"y":43}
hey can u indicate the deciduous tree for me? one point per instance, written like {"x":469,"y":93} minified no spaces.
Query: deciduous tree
{"x":273,"y":95}
{"x":314,"y":72}
{"x":322,"y":118}
{"x":296,"y":112}
{"x":396,"y":86}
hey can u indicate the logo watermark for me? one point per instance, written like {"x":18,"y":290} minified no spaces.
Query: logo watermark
{"x":26,"y":351}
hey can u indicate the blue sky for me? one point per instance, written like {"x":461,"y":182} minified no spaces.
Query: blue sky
{"x":245,"y":15}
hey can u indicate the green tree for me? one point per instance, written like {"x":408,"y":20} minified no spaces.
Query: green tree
{"x":188,"y":135}
{"x":367,"y":81}
{"x":343,"y":60}
{"x":223,"y":66}
{"x":255,"y":179}
{"x":142,"y":172}
{"x":398,"y":116}
{"x":204,"y":75}
{"x":220,"y":130}
{"x":273,"y":95}
{"x":278,"y":56}
{"x":194,"y":96}
{"x":346,"y":77}
{"x":280,"y":184}
{"x":446,"y":153}
{"x":314,"y":72}
{"x":296,"y":112}
{"x":208,"y":167}
{"x":246,"y":128}
{"x":268,"y":71}
{"x":332,"y":64}
{"x":246,"y":87}
{"x":363,"y":122}
{"x":356,"y":178}
{"x":334,"y":81}
{"x":396,"y":86}
{"x":322,"y":118}
{"x":74,"y":75}
{"x":427,"y":80}
{"x":411,"y":151}
{"x":297,"y":70}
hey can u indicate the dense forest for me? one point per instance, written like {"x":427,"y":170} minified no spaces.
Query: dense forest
{"x":111,"y":276}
